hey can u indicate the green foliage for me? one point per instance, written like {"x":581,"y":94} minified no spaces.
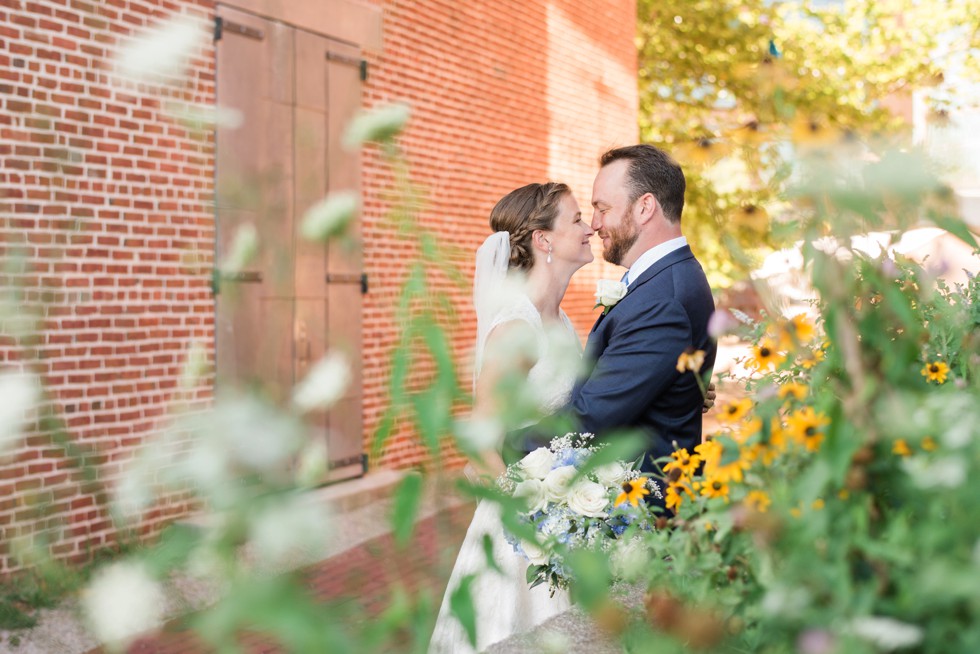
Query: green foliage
{"x":727,"y":87}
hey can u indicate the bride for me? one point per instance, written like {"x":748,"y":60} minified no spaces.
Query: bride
{"x":539,"y":236}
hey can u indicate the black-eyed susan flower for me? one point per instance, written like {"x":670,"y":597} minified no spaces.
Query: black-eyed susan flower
{"x":633,"y":491}
{"x":690,"y":359}
{"x":702,"y":152}
{"x":746,"y":429}
{"x":675,"y":495}
{"x":928,"y":444}
{"x":818,"y":504}
{"x":793,"y":390}
{"x":805,"y":426}
{"x":735,"y":410}
{"x":751,"y":133}
{"x":901,"y":448}
{"x":798,"y":330}
{"x":812,"y":358}
{"x":709,"y":451}
{"x":935,"y":371}
{"x":813,"y":131}
{"x":683,"y":461}
{"x":765,"y":355}
{"x":758,"y":500}
{"x":751,"y":216}
{"x":713,"y":488}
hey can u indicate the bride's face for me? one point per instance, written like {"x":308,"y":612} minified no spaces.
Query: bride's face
{"x":570,"y":236}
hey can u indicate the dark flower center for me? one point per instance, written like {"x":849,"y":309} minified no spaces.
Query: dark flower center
{"x":765,"y":351}
{"x":750,"y":209}
{"x":716,"y":485}
{"x":934,"y":368}
{"x":810,"y":431}
{"x":704,"y":143}
{"x":627,"y":487}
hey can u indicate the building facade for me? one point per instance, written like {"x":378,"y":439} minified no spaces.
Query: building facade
{"x":116,"y":207}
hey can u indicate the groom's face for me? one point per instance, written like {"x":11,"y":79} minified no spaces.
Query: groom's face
{"x":612,"y":219}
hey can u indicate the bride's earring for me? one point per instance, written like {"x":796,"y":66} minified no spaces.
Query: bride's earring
{"x":549,"y":254}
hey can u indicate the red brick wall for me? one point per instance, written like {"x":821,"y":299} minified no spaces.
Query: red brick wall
{"x":108,"y":199}
{"x":503,"y":94}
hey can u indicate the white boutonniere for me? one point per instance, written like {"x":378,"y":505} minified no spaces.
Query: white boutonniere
{"x":608,"y":293}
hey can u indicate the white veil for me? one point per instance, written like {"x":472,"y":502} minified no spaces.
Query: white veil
{"x":492,"y":260}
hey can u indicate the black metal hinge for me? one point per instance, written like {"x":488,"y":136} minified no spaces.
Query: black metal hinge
{"x":361,"y":64}
{"x":338,"y":278}
{"x":219,"y":27}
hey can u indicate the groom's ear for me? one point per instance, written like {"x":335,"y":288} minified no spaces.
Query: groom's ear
{"x":645,"y":208}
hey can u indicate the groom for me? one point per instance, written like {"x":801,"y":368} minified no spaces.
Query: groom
{"x":633,"y":383}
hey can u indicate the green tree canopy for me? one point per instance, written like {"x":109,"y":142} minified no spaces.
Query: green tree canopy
{"x":734,"y":88}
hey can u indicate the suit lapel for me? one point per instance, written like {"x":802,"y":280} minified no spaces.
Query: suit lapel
{"x":678,"y":255}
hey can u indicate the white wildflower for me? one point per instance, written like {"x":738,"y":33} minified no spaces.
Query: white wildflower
{"x":196,"y":365}
{"x":121,"y":602}
{"x":324,"y":384}
{"x":21,"y":393}
{"x":479,"y":434}
{"x":330,"y":216}
{"x":886,"y":634}
{"x":289,"y":533}
{"x":379,"y":124}
{"x":243,"y":249}
{"x":313,"y":463}
{"x":163,"y":52}
{"x":946,"y":472}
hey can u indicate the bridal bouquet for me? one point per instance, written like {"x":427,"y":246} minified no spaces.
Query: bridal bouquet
{"x":572,"y":512}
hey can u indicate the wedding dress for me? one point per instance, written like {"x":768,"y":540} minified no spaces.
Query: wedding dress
{"x":504,"y":604}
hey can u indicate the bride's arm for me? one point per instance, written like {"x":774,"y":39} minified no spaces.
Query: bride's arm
{"x":506,"y":355}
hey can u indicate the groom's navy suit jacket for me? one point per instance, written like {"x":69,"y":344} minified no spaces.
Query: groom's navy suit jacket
{"x":633,"y":382}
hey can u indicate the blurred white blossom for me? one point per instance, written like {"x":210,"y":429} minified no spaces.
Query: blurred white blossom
{"x":313,"y":463}
{"x":121,"y":602}
{"x":379,"y":124}
{"x":886,"y":634}
{"x":946,"y":472}
{"x":196,"y":365}
{"x":479,"y":434}
{"x":202,"y":116}
{"x":243,"y":249}
{"x":324,"y":384}
{"x":288,"y":532}
{"x":21,"y":393}
{"x":163,"y":52}
{"x":330,"y":216}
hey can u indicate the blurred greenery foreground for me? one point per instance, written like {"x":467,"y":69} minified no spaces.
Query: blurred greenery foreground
{"x":835,"y":511}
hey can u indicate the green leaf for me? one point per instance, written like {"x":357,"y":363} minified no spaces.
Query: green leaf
{"x":956,"y":227}
{"x":407,"y":498}
{"x":461,"y":606}
{"x":488,"y":551}
{"x":730,"y":451}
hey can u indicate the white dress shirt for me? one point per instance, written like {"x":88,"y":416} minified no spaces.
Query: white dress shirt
{"x":652,"y":256}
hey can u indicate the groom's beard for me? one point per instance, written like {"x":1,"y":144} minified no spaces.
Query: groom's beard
{"x":621,"y":239}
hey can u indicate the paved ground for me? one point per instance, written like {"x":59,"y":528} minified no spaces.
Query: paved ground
{"x":363,"y":576}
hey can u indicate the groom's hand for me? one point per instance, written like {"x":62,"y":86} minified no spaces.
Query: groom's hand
{"x":709,"y":398}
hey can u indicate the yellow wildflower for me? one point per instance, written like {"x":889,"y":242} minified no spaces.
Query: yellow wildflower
{"x":633,"y":491}
{"x":683,"y":461}
{"x":818,"y":504}
{"x":794,"y":389}
{"x":758,"y":501}
{"x":690,"y":359}
{"x":675,"y":495}
{"x":901,"y":448}
{"x":812,"y":358}
{"x":735,"y":410}
{"x":812,"y":131}
{"x":765,"y":355}
{"x":702,"y":152}
{"x":713,"y":488}
{"x":928,"y":444}
{"x":804,"y":427}
{"x":752,"y":216}
{"x":935,"y":371}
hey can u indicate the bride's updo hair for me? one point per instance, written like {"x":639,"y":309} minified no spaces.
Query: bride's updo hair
{"x":524,"y":211}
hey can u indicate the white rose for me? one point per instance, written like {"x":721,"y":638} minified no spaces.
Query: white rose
{"x":608,"y":292}
{"x":538,"y":463}
{"x":557,"y":482}
{"x":589,"y":499}
{"x":611,"y":474}
{"x":532,"y":490}
{"x":534,"y":554}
